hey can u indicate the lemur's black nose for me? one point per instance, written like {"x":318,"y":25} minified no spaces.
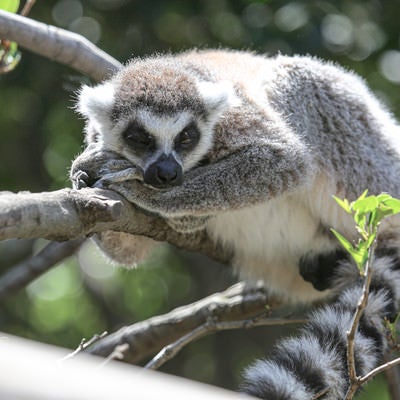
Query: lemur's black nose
{"x":164,"y":172}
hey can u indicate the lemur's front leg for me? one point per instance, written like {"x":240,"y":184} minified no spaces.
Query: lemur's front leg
{"x":104,"y":169}
{"x":95,"y":164}
{"x":89,"y":168}
{"x":251,"y":175}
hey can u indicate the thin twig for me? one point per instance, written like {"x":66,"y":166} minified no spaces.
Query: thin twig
{"x":27,"y":7}
{"x":392,"y":376}
{"x":362,"y":380}
{"x":321,"y":393}
{"x":83,"y":344}
{"x":117,"y":354}
{"x":211,"y":326}
{"x":25,"y":272}
{"x":362,"y":303}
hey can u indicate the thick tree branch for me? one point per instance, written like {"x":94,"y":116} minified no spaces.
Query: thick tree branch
{"x":68,"y":214}
{"x":239,"y":302}
{"x":34,"y":371}
{"x":58,"y":44}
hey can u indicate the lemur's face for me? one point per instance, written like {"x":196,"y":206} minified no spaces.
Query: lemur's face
{"x":157,"y":117}
{"x":163,"y":146}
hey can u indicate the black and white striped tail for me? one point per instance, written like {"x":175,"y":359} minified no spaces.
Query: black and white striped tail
{"x":316,"y":361}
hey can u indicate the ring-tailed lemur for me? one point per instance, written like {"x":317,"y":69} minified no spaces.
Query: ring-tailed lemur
{"x":250,"y":150}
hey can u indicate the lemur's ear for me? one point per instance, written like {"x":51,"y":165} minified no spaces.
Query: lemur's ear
{"x":96,"y":101}
{"x":218,"y":96}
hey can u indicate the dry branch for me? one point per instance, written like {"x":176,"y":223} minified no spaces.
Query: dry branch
{"x":384,"y":367}
{"x":211,"y":326}
{"x":239,"y":302}
{"x":68,"y":214}
{"x":25,"y":272}
{"x":58,"y":45}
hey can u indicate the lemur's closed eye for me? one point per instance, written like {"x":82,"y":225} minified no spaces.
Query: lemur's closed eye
{"x":138,"y":139}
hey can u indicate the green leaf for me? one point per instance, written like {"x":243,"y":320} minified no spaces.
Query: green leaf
{"x":344,"y":204}
{"x":383,"y":197}
{"x":9,"y":53}
{"x":13,"y":48}
{"x":361,"y":221}
{"x":9,"y":5}
{"x":374,"y":219}
{"x":9,"y":56}
{"x":362,"y":232}
{"x":368,"y":212}
{"x":371,"y":239}
{"x":359,"y":253}
{"x":343,"y":241}
{"x":363,"y":195}
{"x":393,"y":204}
{"x":365,"y":205}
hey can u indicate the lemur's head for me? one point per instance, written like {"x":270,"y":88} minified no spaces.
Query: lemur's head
{"x":157,"y":114}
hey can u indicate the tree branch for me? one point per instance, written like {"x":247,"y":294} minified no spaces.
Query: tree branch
{"x":25,"y":272}
{"x":44,"y":377}
{"x":239,"y":302}
{"x":83,"y":344}
{"x":58,"y":44}
{"x":68,"y":214}
{"x":354,"y":382}
{"x":211,"y":326}
{"x":392,"y":376}
{"x":384,"y":367}
{"x":27,"y":7}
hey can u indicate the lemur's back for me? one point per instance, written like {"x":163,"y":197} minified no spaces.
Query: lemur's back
{"x":230,"y":65}
{"x":353,"y":136}
{"x":354,"y":143}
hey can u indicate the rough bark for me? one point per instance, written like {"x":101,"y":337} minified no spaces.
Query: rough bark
{"x":68,"y":214}
{"x":239,"y":302}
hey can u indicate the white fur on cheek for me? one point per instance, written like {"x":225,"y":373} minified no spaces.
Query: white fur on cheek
{"x":95,"y":104}
{"x":95,"y":101}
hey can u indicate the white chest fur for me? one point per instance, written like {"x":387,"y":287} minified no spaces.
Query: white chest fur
{"x":269,"y":239}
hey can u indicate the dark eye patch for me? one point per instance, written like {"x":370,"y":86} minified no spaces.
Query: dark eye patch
{"x":136,"y":137}
{"x":188,"y":138}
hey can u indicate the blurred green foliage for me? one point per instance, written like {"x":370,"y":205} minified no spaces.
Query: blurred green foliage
{"x":9,"y":53}
{"x":41,"y":134}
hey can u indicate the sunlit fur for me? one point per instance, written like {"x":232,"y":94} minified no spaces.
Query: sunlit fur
{"x":278,"y":138}
{"x":97,"y":103}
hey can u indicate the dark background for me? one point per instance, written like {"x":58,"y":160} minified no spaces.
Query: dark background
{"x":40,"y":134}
